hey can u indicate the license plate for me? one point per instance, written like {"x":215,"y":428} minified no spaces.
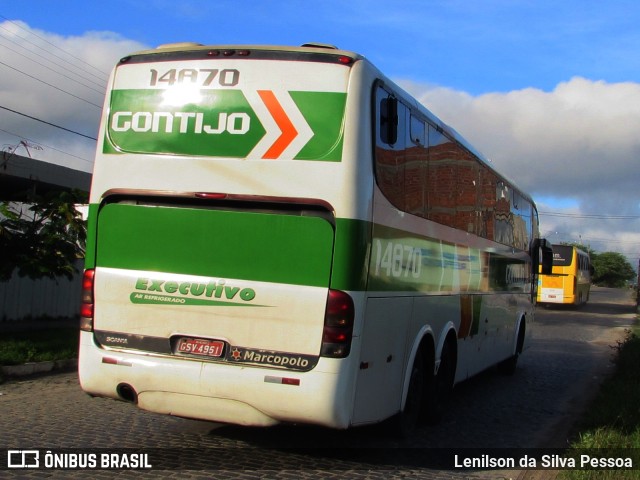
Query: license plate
{"x":201,"y":346}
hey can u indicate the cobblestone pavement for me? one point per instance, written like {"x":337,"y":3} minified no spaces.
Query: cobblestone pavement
{"x":570,"y":354}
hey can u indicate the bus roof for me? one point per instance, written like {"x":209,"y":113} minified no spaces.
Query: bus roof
{"x":246,"y":50}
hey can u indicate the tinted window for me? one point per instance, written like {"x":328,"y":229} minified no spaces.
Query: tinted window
{"x":562,"y":255}
{"x":390,"y":158}
{"x":423,"y":171}
{"x":415,"y":171}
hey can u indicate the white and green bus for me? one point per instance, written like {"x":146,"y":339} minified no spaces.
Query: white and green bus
{"x":282,"y":234}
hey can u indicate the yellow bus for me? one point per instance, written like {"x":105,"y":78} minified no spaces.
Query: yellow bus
{"x":282,"y":234}
{"x":570,"y":278}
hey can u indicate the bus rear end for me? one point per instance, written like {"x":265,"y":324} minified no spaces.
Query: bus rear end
{"x":208,"y":284}
{"x":569,"y":282}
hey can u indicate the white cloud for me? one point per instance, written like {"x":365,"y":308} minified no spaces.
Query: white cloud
{"x":60,"y":80}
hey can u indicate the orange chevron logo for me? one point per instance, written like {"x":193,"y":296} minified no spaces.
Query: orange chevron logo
{"x":288,"y":131}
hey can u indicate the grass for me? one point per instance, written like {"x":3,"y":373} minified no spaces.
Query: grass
{"x":38,"y":345}
{"x":611,"y":426}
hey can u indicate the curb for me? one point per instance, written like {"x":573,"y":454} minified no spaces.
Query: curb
{"x":32,"y":368}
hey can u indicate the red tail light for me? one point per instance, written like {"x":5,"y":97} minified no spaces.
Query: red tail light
{"x":338,"y":325}
{"x":86,"y":308}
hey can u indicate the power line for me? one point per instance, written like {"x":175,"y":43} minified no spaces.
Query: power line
{"x":45,"y":145}
{"x":604,"y":240}
{"x":52,"y":86}
{"x":102,"y":87}
{"x":104,"y":74}
{"x":48,"y":123}
{"x":51,"y":58}
{"x":48,"y":58}
{"x":589,"y":241}
{"x":591,"y":216}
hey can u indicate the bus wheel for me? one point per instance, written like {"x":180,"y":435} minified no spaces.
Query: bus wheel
{"x":404,"y":423}
{"x":440,"y":386}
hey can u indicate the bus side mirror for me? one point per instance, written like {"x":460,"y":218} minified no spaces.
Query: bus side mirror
{"x":547,"y":258}
{"x":389,"y":120}
{"x":542,"y":255}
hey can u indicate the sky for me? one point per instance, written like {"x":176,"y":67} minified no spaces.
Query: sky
{"x":549,"y":90}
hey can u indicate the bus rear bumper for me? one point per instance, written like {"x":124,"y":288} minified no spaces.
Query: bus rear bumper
{"x":204,"y":408}
{"x":215,"y":392}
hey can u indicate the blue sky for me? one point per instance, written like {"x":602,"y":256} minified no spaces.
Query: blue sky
{"x":475,"y":46}
{"x":549,"y":90}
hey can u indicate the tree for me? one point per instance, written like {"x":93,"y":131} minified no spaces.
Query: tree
{"x":611,"y":269}
{"x":43,"y":238}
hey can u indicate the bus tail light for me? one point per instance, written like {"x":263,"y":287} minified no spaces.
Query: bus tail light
{"x":338,"y":325}
{"x":86,"y":308}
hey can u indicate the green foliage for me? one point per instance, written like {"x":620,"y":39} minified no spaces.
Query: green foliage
{"x":44,"y":237}
{"x":38,"y":346}
{"x":609,"y":411}
{"x":613,"y":420}
{"x":611,"y":269}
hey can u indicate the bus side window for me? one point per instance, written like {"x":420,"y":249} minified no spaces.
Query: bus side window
{"x":389,"y":120}
{"x":487,"y":206}
{"x":503,"y":225}
{"x":441,"y":178}
{"x":415,"y":170}
{"x":391,"y":145}
{"x":521,"y":220}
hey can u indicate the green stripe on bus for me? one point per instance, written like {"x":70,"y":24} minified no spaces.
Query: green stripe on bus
{"x":350,"y":251}
{"x":324,"y":112}
{"x":351,"y":255}
{"x":403,"y":261}
{"x":246,"y":245}
{"x":292,"y":250}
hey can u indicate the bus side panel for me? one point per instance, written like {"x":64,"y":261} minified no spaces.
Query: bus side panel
{"x":382,"y":359}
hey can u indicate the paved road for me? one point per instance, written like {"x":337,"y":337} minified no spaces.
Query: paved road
{"x":570,"y":354}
